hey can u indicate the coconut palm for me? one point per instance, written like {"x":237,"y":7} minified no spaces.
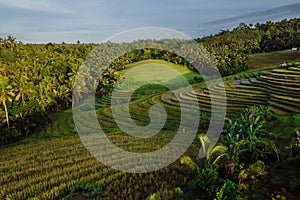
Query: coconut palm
{"x":6,"y":95}
{"x":11,"y":41}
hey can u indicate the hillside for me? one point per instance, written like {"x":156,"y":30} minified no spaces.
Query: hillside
{"x":233,"y":134}
{"x":57,"y":155}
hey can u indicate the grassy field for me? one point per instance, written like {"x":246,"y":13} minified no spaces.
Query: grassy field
{"x":54,"y":164}
{"x":158,"y":71}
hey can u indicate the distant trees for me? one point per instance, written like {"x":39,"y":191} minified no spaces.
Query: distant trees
{"x":270,"y":36}
{"x":229,"y":49}
{"x":8,"y":42}
{"x":280,"y":35}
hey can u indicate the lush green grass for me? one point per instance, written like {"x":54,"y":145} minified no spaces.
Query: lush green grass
{"x":158,"y":70}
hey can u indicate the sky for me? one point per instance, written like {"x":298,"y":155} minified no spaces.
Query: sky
{"x":41,"y":21}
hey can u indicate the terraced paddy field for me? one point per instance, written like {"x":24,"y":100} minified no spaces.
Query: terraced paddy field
{"x":274,"y":87}
{"x":54,"y":164}
{"x":61,"y":168}
{"x":273,"y":58}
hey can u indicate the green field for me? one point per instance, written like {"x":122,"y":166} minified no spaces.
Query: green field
{"x":54,"y":164}
{"x":159,"y":70}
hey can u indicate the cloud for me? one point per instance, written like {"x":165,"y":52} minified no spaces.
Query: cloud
{"x":36,"y":5}
{"x":93,"y":20}
{"x":274,"y":14}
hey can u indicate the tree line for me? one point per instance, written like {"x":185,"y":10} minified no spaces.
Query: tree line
{"x":258,"y":38}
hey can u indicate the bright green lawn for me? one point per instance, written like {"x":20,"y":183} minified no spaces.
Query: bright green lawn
{"x":159,"y":70}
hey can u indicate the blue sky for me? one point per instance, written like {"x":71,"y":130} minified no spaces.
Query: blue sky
{"x":41,"y":21}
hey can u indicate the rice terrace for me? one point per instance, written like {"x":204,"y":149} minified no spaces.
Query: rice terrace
{"x":256,"y":157}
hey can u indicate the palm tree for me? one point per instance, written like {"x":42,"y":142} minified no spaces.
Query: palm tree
{"x":6,"y":95}
{"x":44,"y":96}
{"x":2,"y":45}
{"x":21,"y":88}
{"x":11,"y":41}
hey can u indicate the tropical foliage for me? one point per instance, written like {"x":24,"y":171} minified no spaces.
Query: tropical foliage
{"x":35,"y":79}
{"x":239,"y":164}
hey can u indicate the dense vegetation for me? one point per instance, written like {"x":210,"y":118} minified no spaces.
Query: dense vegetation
{"x":259,"y":147}
{"x":248,"y":161}
{"x":35,"y":79}
{"x":267,"y":37}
